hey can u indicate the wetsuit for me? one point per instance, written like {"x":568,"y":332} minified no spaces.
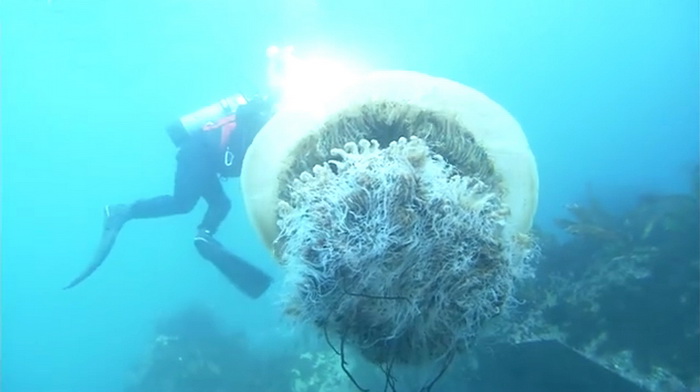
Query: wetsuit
{"x":199,"y":162}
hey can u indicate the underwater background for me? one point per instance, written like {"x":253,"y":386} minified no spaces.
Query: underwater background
{"x":606,"y":92}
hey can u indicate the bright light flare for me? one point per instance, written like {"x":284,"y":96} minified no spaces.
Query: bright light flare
{"x":309,"y":82}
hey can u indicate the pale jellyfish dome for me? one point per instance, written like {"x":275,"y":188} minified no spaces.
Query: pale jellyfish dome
{"x":400,"y":209}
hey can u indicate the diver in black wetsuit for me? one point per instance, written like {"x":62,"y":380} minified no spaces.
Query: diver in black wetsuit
{"x":196,"y":176}
{"x":217,"y":151}
{"x":212,"y":143}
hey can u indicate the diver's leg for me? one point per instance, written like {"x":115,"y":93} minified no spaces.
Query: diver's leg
{"x":189,"y":184}
{"x":191,"y":169}
{"x":242,"y":274}
{"x":187,"y":190}
{"x":218,"y":203}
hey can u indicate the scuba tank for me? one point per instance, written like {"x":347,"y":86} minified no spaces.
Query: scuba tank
{"x":235,"y":120}
{"x":195,"y":122}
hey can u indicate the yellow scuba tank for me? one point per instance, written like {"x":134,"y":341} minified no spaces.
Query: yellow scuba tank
{"x":195,"y":122}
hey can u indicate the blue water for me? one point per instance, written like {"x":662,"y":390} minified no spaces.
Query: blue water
{"x":606,"y":91}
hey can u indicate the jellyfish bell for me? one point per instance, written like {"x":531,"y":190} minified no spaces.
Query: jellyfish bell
{"x":400,"y":207}
{"x":491,"y":126}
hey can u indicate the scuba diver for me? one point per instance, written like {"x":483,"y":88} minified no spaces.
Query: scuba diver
{"x":212,"y":143}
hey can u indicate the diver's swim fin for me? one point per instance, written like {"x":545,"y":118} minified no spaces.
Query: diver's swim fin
{"x":106,"y":243}
{"x":250,"y":280}
{"x":113,"y":222}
